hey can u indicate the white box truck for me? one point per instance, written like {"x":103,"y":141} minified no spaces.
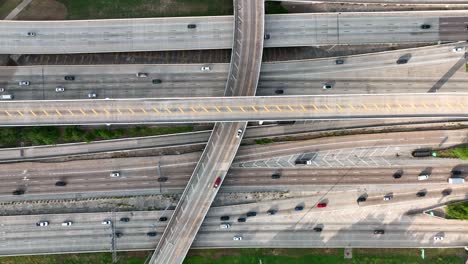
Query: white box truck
{"x":456,"y":180}
{"x":6,"y":97}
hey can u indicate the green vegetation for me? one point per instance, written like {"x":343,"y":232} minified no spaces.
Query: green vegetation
{"x":6,"y":6}
{"x":18,"y":136}
{"x":457,"y":211}
{"x":275,"y":8}
{"x":268,"y":256}
{"x":324,"y":256}
{"x":264,"y":141}
{"x":100,"y":9}
{"x":457,"y":152}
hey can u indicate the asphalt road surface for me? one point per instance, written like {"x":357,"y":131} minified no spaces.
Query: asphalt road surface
{"x":344,"y":223}
{"x":138,"y":174}
{"x":429,"y":69}
{"x":221,"y":109}
{"x":153,"y":34}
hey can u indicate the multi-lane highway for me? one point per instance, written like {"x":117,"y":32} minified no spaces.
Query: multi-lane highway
{"x":343,"y":223}
{"x":225,"y":139}
{"x":143,"y":173}
{"x":215,"y":109}
{"x":407,"y":2}
{"x":150,"y":34}
{"x":429,"y":69}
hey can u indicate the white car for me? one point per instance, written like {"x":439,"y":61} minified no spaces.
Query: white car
{"x":92,"y":95}
{"x":59,"y":89}
{"x":327,"y":86}
{"x":67,"y":223}
{"x":387,"y":198}
{"x":2,"y":90}
{"x":225,"y":226}
{"x":458,"y":49}
{"x":115,"y":174}
{"x":237,"y":238}
{"x":239,"y":133}
{"x":205,"y":68}
{"x":42,"y":223}
{"x":24,"y":83}
{"x":423,"y":177}
{"x":106,"y":222}
{"x":438,"y":238}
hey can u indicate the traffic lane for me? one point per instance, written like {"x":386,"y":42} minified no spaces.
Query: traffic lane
{"x":214,"y":163}
{"x":453,"y":29}
{"x":233,"y":109}
{"x":115,"y":81}
{"x":426,"y":139}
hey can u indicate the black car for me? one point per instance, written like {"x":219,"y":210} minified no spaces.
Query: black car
{"x":402,"y":61}
{"x":163,"y":219}
{"x":421,"y":194}
{"x":151,"y":234}
{"x":379,"y":232}
{"x":276,"y":176}
{"x":271,"y":212}
{"x":18,"y":192}
{"x":162,"y":179}
{"x":156,"y":81}
{"x":339,"y":61}
{"x":118,"y":234}
{"x":249,"y":214}
{"x":299,"y":208}
{"x":361,"y":199}
{"x":60,"y":183}
{"x":457,"y":172}
{"x":280,"y":91}
{"x":466,"y":27}
{"x":69,"y":78}
{"x":447,"y":192}
{"x":266,"y":36}
{"x":318,"y":229}
{"x":191,"y":26}
{"x":224,"y":218}
{"x":425,"y":26}
{"x":124,"y":219}
{"x":241,"y":220}
{"x":397,"y":175}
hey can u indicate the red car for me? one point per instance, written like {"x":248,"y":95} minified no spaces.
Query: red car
{"x":217,"y":182}
{"x":321,"y":205}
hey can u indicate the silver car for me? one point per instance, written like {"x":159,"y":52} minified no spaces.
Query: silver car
{"x":24,"y":83}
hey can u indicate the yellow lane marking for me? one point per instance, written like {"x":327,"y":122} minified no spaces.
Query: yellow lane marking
{"x":181,"y":110}
{"x":303,"y":108}
{"x":364,"y":107}
{"x":32,"y":112}
{"x":58,"y":112}
{"x":388,"y":107}
{"x":279,"y":109}
{"x":7,"y":113}
{"x":131,"y":111}
{"x":253,"y":107}
{"x":83,"y":112}
{"x":266,"y":108}
{"x":204,"y":108}
{"x":326,"y":106}
{"x":339,"y":107}
{"x":143,"y":111}
{"x":105,"y":110}
{"x":376,"y":107}
{"x":19,"y":112}
{"x":70,"y":111}
{"x":399,"y":105}
{"x":94,"y":111}
{"x":194,"y":110}
{"x":156,"y":110}
{"x":229,"y":109}
{"x":437,"y":105}
{"x":45,"y":112}
{"x":315,"y":107}
{"x":118,"y":110}
{"x":217,"y":109}
{"x":241,"y":108}
{"x":168,"y":110}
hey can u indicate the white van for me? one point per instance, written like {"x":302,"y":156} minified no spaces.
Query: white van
{"x":6,"y":97}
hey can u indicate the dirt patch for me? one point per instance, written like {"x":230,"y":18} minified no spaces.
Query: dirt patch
{"x":43,"y":10}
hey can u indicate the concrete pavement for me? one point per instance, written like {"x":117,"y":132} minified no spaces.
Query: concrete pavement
{"x":157,"y":34}
{"x":225,"y":139}
{"x":212,"y":109}
{"x":367,"y":73}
